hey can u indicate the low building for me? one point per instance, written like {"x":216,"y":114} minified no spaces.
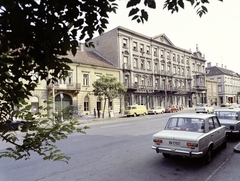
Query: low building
{"x":76,"y":89}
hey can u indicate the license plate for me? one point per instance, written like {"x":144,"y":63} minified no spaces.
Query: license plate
{"x":175,"y":143}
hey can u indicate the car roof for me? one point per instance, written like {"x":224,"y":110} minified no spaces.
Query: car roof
{"x":193,"y":115}
{"x":228,"y":109}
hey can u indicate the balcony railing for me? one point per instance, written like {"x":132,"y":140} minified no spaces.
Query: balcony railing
{"x":73,"y":86}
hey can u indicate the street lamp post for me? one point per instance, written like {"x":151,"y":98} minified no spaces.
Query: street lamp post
{"x":61,"y":96}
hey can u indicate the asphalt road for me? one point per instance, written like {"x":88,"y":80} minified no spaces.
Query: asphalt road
{"x":119,"y":150}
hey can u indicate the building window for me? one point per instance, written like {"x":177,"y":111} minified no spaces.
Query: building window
{"x":135,"y":64}
{"x":86,"y":79}
{"x":182,"y":60}
{"x":178,"y":70}
{"x":148,"y":49}
{"x":161,"y":53}
{"x":174,"y":70}
{"x":156,"y":67}
{"x":141,"y":48}
{"x":168,"y":55}
{"x":125,"y":43}
{"x":155,"y":52}
{"x":148,"y":65}
{"x":98,"y":77}
{"x":174,"y":57}
{"x":126,"y":80}
{"x":219,"y":88}
{"x":34,"y":104}
{"x":86,"y":103}
{"x":135,"y":46}
{"x":142,"y":64}
{"x":136,"y":80}
{"x":143,"y":81}
{"x":182,"y":71}
{"x":156,"y":83}
{"x":178,"y":58}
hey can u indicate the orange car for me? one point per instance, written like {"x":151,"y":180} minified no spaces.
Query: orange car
{"x":171,"y":109}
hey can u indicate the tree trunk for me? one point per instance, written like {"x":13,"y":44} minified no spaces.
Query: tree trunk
{"x":104,"y":107}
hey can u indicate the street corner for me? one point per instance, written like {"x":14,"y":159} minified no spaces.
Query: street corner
{"x":237,"y":148}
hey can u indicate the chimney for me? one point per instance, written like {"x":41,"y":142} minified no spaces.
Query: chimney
{"x":222,"y":65}
{"x":216,"y":64}
{"x":209,"y":64}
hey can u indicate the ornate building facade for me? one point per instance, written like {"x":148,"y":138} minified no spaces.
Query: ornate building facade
{"x":155,"y":71}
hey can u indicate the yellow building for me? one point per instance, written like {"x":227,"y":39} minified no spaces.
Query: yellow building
{"x":76,"y":89}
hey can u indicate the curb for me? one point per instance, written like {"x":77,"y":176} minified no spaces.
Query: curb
{"x":237,"y":148}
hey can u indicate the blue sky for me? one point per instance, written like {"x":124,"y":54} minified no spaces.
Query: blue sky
{"x":217,"y":33}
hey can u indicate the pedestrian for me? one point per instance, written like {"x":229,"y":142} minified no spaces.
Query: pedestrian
{"x":95,"y":113}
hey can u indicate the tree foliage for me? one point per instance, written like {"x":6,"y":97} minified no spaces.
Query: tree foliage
{"x":35,"y":36}
{"x":108,"y":88}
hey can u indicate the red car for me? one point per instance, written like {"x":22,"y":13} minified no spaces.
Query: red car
{"x":171,"y":109}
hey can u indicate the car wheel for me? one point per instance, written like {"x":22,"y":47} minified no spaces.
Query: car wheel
{"x":134,"y":115}
{"x":208,"y":156}
{"x":155,"y":112}
{"x":166,"y":155}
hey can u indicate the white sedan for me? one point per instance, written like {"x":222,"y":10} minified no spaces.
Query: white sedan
{"x":190,"y":135}
{"x":156,"y":110}
{"x":204,"y":108}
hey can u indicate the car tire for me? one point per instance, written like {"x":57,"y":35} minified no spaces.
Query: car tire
{"x":166,"y":155}
{"x":134,"y":115}
{"x":155,"y":112}
{"x":208,"y":156}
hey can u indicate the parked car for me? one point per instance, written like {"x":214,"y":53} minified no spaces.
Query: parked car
{"x":135,"y":110}
{"x":226,"y":104}
{"x":156,"y":110}
{"x":190,"y":135}
{"x":11,"y":125}
{"x":204,"y":108}
{"x":171,"y":109}
{"x":230,"y":118}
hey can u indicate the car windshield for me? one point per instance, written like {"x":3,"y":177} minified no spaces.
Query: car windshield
{"x":226,"y":115}
{"x":185,"y":124}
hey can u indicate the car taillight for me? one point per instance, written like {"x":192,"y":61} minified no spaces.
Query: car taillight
{"x":192,"y":144}
{"x":157,"y":141}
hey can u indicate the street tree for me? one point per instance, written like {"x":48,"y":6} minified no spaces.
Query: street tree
{"x":108,"y":88}
{"x":35,"y":36}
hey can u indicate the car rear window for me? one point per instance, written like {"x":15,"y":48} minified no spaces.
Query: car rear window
{"x":185,"y":124}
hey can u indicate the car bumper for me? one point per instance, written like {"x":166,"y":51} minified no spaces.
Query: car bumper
{"x":233,"y":132}
{"x":192,"y":154}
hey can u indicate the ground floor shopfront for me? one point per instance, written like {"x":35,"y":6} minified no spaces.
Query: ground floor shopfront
{"x":164,"y":99}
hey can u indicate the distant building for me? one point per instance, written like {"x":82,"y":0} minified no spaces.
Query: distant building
{"x":155,"y":71}
{"x":212,"y":92}
{"x":228,"y":82}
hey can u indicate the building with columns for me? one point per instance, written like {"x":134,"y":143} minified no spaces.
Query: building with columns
{"x":155,"y":71}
